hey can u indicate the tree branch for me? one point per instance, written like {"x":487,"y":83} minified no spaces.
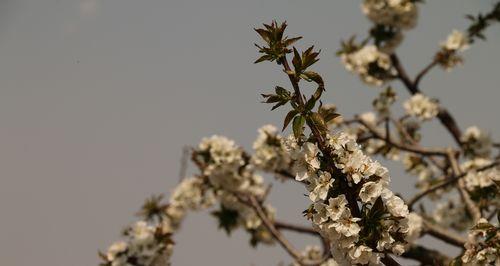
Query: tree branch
{"x":443,"y":234}
{"x":427,"y":257}
{"x":296,"y":228}
{"x":256,"y":206}
{"x":424,"y":71}
{"x":444,"y":116}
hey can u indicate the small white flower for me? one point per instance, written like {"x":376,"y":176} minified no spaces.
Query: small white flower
{"x":336,"y":207}
{"x":370,"y":192}
{"x":321,"y":214}
{"x":397,"y":207}
{"x":421,"y":107}
{"x":476,"y":142}
{"x":395,"y":13}
{"x":307,"y":162}
{"x":361,"y":254}
{"x":320,"y":185}
{"x":456,"y":41}
{"x":347,"y":225}
{"x":116,"y":249}
{"x":362,"y":62}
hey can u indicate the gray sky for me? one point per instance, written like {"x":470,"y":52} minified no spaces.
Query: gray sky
{"x":98,"y":97}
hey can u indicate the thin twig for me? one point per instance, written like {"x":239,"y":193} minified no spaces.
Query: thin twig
{"x":424,"y":71}
{"x":296,"y":228}
{"x":184,"y":162}
{"x":389,"y":261}
{"x":256,"y":206}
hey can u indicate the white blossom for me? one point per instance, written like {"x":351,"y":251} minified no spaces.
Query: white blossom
{"x":372,"y":65}
{"x":336,"y":207}
{"x":476,"y":142}
{"x":456,"y":41}
{"x":270,"y":154}
{"x":396,"y":13}
{"x":306,"y":161}
{"x":370,"y":192}
{"x":319,"y":186}
{"x":421,"y":107}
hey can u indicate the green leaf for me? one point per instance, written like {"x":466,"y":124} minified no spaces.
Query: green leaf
{"x":291,"y":41}
{"x":313,"y":76}
{"x":298,"y":126}
{"x":329,"y":116}
{"x":289,"y":118}
{"x":263,"y":58}
{"x":296,"y":61}
{"x":310,"y":104}
{"x":281,"y":91}
{"x":279,"y":104}
{"x":318,"y":121}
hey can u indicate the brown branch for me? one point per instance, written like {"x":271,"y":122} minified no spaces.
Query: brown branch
{"x":256,"y":206}
{"x":424,"y":71}
{"x":425,"y":256}
{"x":280,"y":225}
{"x":443,"y":234}
{"x":389,"y":261}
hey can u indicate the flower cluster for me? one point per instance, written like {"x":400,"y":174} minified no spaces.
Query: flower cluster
{"x":394,"y":13}
{"x":356,"y":236}
{"x":145,"y":245}
{"x":448,"y":56}
{"x":373,"y":66}
{"x":475,"y":179}
{"x":313,"y":253}
{"x":421,"y":107}
{"x":269,"y":151}
{"x":230,"y":173}
{"x":452,"y":214}
{"x":476,"y":143}
{"x":149,"y":242}
{"x":483,"y":245}
{"x":425,"y":172}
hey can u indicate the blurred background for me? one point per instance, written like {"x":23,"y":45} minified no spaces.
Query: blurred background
{"x":98,"y":98}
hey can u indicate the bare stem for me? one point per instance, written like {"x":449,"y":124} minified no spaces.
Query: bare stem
{"x":295,"y":228}
{"x":424,"y":71}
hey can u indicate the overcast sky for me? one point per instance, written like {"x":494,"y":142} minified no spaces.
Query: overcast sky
{"x":98,"y":97}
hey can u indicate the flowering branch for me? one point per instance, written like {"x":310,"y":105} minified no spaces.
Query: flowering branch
{"x":352,"y":210}
{"x":446,"y":182}
{"x":444,"y":116}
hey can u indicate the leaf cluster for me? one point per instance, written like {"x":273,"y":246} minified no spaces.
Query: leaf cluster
{"x":481,"y":22}
{"x":277,"y":43}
